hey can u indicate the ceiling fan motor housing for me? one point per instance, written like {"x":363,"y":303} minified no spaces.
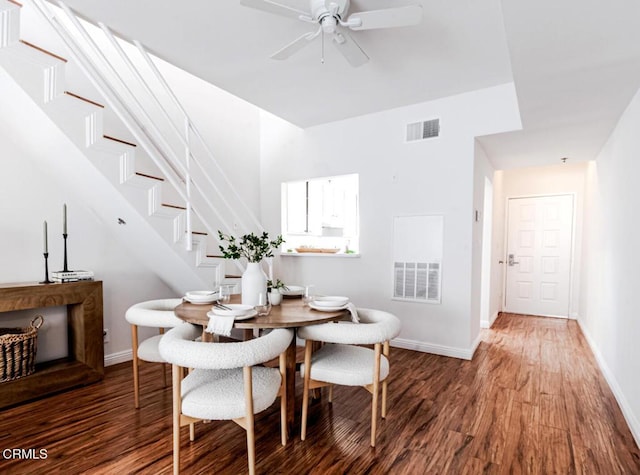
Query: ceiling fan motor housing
{"x":321,"y":9}
{"x":330,"y":17}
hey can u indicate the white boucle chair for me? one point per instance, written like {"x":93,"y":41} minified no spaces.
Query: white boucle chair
{"x":222,"y":383}
{"x":155,"y":314}
{"x":339,"y":361}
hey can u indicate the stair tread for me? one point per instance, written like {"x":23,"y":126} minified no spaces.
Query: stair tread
{"x":109,"y":137}
{"x":77,"y":96}
{"x":150,"y":176}
{"x":33,"y":52}
{"x":167,"y":205}
{"x":41,"y":49}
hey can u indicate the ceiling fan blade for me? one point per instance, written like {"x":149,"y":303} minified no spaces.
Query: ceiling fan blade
{"x":295,"y":46}
{"x":274,"y":7}
{"x":350,"y":49}
{"x":387,"y":18}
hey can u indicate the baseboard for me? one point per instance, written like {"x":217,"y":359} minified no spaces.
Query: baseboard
{"x":462,"y":353}
{"x":628,"y":414}
{"x":489,"y":324}
{"x":474,"y":346}
{"x":120,"y":357}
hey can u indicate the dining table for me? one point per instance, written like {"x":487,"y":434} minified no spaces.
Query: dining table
{"x":292,"y":313}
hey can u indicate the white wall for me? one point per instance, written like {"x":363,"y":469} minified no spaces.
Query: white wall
{"x":28,"y":196}
{"x":396,"y":178}
{"x":563,"y":178}
{"x":497,"y":246}
{"x":608,"y":303}
{"x":483,"y":170}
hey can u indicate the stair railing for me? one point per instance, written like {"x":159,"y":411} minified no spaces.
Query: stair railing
{"x":192,"y":127}
{"x":145,"y":129}
{"x":105,"y":89}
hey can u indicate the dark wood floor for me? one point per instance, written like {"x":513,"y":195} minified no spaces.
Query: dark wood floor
{"x":531,"y":401}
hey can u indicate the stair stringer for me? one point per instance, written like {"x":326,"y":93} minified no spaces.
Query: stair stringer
{"x":42,"y":78}
{"x":94,"y":189}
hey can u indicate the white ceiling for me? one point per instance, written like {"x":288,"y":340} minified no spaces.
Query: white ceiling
{"x":575,"y":63}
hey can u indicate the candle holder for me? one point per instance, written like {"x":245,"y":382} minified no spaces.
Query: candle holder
{"x":46,"y":269}
{"x":66,"y":269}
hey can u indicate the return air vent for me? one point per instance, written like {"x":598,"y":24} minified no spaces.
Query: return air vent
{"x":423,"y":130}
{"x":417,"y":281}
{"x":418,"y":243}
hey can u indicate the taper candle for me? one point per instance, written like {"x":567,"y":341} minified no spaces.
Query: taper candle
{"x":64,"y":219}
{"x":46,"y":244}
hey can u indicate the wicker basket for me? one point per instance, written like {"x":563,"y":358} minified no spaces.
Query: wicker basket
{"x":18,"y":350}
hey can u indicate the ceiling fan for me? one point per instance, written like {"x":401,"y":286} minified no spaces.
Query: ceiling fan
{"x":331,"y":18}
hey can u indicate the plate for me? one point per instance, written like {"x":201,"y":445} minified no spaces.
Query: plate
{"x":331,"y":301}
{"x":327,"y":309}
{"x":292,"y":290}
{"x":202,"y":296}
{"x":251,"y":314}
{"x":202,"y":300}
{"x":235,"y":310}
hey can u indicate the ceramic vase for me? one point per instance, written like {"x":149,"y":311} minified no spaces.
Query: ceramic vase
{"x":254,"y":283}
{"x":275,"y":297}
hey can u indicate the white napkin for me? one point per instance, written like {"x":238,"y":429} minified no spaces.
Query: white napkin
{"x":220,"y":325}
{"x":354,"y":312}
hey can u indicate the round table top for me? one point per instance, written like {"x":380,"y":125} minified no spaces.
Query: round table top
{"x":291,"y":313}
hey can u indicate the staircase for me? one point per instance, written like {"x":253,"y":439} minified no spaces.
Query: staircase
{"x":171,"y":235}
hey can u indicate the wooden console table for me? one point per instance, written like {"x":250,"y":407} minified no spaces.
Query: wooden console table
{"x":85,"y":363}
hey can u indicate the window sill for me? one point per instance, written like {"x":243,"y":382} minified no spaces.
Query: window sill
{"x":318,"y":254}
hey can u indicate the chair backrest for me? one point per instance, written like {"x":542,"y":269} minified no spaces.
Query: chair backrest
{"x":376,"y":326}
{"x":154,"y":313}
{"x":177,"y":347}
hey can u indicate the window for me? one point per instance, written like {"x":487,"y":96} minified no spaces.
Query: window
{"x":321,"y":215}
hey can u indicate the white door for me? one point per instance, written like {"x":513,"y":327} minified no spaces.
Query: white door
{"x":539,"y":240}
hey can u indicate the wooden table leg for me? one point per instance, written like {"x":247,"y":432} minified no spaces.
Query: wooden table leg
{"x":290,"y":386}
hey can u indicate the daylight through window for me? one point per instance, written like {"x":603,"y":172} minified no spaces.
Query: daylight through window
{"x":321,"y":215}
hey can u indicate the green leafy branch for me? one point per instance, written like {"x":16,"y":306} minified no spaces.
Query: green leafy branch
{"x":277,"y":285}
{"x":250,"y":246}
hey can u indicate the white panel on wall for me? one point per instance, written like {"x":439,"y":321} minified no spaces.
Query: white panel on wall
{"x":527,"y":213}
{"x":526,"y":265}
{"x":551,"y":238}
{"x":548,"y":291}
{"x":526,"y":238}
{"x":552,"y":212}
{"x":417,"y":258}
{"x":524,"y":290}
{"x":550,"y":264}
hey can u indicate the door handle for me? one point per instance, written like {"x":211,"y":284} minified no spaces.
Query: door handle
{"x":511,"y":261}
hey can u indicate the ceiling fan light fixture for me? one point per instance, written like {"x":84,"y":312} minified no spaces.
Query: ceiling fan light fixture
{"x":328,"y":16}
{"x":329,"y":24}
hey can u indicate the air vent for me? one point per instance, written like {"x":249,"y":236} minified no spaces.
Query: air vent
{"x":417,"y":281}
{"x":423,"y":130}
